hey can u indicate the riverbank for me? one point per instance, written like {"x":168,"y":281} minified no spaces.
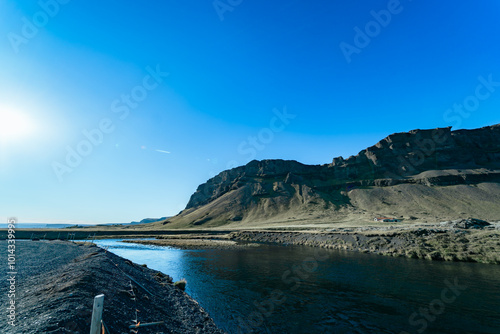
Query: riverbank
{"x":194,"y":242}
{"x":442,"y":242}
{"x":467,"y":240}
{"x":57,"y":281}
{"x":102,"y":232}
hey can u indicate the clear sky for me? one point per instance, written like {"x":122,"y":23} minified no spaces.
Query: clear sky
{"x":113,"y":111}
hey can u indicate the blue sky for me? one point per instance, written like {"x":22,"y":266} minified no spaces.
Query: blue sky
{"x":157,"y":97}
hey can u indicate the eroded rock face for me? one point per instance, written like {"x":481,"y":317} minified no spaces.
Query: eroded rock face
{"x":393,"y":160}
{"x":250,"y":174}
{"x":405,"y":154}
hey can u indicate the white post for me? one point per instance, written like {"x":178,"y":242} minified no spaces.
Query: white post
{"x":95,"y":327}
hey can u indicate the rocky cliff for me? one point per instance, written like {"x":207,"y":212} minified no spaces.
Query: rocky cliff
{"x":429,"y":174}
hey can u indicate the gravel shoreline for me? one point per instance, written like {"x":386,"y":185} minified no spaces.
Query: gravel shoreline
{"x":57,"y":282}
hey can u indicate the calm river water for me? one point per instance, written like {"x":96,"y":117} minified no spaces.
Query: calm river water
{"x":294,"y":289}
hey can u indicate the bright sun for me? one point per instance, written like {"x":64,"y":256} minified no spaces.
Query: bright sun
{"x":14,"y":125}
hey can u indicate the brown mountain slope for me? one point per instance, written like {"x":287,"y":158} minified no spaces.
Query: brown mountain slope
{"x":425,"y":174}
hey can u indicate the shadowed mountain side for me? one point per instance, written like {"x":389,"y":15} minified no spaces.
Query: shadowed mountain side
{"x":426,"y":174}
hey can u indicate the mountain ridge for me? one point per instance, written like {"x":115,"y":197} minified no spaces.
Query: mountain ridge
{"x":419,"y":165}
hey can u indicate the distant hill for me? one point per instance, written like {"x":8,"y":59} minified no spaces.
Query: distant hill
{"x":148,"y":220}
{"x":420,"y":175}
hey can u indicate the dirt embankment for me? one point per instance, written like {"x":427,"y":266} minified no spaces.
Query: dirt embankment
{"x":432,"y":243}
{"x":57,"y":282}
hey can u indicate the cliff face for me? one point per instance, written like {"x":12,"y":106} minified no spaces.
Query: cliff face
{"x":410,"y":153}
{"x":251,"y":174}
{"x":288,"y":190}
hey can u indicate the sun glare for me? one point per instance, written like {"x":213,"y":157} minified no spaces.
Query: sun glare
{"x":14,"y":125}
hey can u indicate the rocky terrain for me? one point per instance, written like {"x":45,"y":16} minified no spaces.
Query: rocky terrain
{"x":58,"y":280}
{"x":418,"y":176}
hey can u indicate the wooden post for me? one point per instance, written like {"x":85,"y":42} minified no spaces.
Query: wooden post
{"x":95,"y":327}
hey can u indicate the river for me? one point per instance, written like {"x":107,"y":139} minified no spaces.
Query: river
{"x":298,"y":289}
